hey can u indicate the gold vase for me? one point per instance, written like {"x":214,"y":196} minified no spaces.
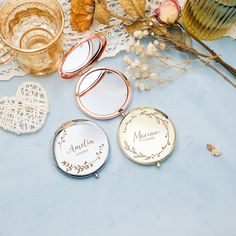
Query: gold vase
{"x":209,"y":19}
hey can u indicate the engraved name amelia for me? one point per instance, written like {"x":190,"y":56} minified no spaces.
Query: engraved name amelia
{"x":80,"y":148}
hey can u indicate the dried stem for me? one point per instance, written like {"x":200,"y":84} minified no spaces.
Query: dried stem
{"x":125,"y":19}
{"x":207,"y":63}
{"x":183,"y":46}
{"x":228,"y":67}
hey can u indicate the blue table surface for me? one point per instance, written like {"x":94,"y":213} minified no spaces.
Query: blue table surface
{"x":193,"y":193}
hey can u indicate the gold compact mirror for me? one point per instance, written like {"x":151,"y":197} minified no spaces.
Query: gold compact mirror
{"x":146,"y":135}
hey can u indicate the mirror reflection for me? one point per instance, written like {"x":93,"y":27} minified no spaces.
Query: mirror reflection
{"x":102,"y":92}
{"x":81,"y":55}
{"x":77,"y":58}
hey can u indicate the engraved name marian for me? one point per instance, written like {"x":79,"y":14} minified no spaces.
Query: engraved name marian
{"x":80,"y":148}
{"x":141,"y":136}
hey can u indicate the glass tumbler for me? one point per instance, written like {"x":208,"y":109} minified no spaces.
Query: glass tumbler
{"x":209,"y":19}
{"x":32,"y":32}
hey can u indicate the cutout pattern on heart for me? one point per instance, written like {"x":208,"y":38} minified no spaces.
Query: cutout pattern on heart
{"x":27,"y":111}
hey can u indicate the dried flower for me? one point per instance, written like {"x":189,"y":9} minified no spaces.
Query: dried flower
{"x":168,"y":12}
{"x":137,"y":48}
{"x":154,"y":76}
{"x":81,"y":14}
{"x":140,"y":34}
{"x":156,"y":42}
{"x":151,"y":49}
{"x":215,"y":151}
{"x":150,"y":66}
{"x":127,"y":60}
{"x":162,"y":46}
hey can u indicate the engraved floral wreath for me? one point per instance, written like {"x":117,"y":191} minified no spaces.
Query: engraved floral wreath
{"x":140,"y":154}
{"x":86,"y":165}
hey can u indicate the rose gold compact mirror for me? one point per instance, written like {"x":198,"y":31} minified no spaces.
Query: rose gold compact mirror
{"x":82,"y":56}
{"x":146,"y":135}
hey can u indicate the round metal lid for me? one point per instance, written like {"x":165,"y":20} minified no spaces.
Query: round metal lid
{"x":103,"y":93}
{"x":82,"y":56}
{"x":80,"y":148}
{"x":147,"y":136}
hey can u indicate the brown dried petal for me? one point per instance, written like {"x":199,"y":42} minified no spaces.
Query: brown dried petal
{"x":84,"y":25}
{"x":82,"y":18}
{"x":73,"y":17}
{"x":215,"y":151}
{"x":89,"y":9}
{"x":80,"y":6}
{"x":81,"y":14}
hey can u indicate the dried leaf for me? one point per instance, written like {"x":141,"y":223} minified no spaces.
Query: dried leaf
{"x":81,"y":14}
{"x":160,"y":31}
{"x":138,"y":25}
{"x":181,"y":36}
{"x":215,"y":151}
{"x":134,"y":8}
{"x":102,"y":14}
{"x":140,"y":6}
{"x":80,"y":22}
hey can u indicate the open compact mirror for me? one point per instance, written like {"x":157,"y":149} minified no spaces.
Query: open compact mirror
{"x":103,"y":93}
{"x":82,"y":56}
{"x":146,"y":135}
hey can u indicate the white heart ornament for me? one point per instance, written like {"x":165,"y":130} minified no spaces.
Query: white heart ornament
{"x":27,"y":111}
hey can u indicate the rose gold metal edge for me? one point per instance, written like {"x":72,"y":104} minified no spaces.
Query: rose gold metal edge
{"x":66,"y":75}
{"x":88,"y":63}
{"x":115,"y":114}
{"x":92,"y":85}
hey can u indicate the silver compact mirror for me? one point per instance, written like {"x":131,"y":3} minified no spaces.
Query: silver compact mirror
{"x":80,"y":148}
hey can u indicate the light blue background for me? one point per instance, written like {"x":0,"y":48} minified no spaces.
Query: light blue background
{"x":193,"y":193}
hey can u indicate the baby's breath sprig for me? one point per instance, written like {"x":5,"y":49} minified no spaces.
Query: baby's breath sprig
{"x":149,"y":64}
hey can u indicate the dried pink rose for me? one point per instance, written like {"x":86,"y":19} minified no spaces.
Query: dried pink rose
{"x":168,"y":12}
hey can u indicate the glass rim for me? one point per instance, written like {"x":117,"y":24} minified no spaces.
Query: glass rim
{"x":37,"y":49}
{"x":231,"y":4}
